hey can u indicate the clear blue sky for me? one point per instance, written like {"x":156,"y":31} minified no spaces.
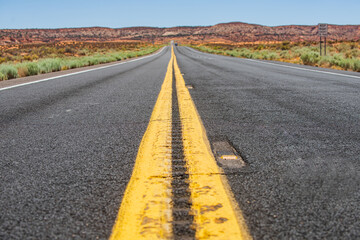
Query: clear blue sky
{"x":159,"y":13}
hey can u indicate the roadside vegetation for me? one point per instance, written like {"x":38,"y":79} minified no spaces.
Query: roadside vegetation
{"x":27,"y":60}
{"x":340,"y":55}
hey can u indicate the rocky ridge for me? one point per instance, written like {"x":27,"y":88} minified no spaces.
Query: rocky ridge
{"x":234,"y":32}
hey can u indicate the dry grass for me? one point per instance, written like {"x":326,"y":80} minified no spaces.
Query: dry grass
{"x":340,"y":55}
{"x":26,"y":60}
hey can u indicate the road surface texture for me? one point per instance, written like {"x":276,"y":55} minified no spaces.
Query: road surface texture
{"x":68,"y":145}
{"x":68,"y":148}
{"x":299,"y":133}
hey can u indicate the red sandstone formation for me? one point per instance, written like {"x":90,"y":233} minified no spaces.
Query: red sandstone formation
{"x":235,"y":32}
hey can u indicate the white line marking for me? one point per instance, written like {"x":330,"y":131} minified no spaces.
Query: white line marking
{"x":70,"y":74}
{"x":286,"y":66}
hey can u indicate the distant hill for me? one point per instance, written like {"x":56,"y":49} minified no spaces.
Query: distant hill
{"x":234,"y":32}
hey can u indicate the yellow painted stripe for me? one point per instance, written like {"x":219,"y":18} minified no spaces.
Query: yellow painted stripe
{"x":145,"y":211}
{"x":216,"y":214}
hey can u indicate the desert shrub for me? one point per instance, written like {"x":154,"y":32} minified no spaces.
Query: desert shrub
{"x":22,"y":70}
{"x":9,"y":71}
{"x":325,"y":61}
{"x":343,"y":47}
{"x":345,"y":55}
{"x":231,"y":53}
{"x":353,"y":53}
{"x":260,"y":47}
{"x":314,"y":48}
{"x":285,"y":45}
{"x":297,"y":51}
{"x":60,"y":51}
{"x":68,"y":49}
{"x":285,"y":55}
{"x":72,"y":64}
{"x":64,"y":67}
{"x":255,"y":55}
{"x":246,"y":53}
{"x":102,"y":59}
{"x":117,"y":56}
{"x":2,"y":76}
{"x":33,"y":68}
{"x":83,"y":62}
{"x":337,"y":60}
{"x":49,"y":65}
{"x":130,"y":55}
{"x":83,"y":52}
{"x":310,"y":58}
{"x":27,"y":58}
{"x":31,"y":57}
{"x":92,"y":61}
{"x":356,"y":65}
{"x":273,"y":56}
{"x":353,"y":45}
{"x":345,"y":63}
{"x":264,"y":54}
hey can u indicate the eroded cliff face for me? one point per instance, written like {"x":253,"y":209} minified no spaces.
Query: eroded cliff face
{"x":235,"y":32}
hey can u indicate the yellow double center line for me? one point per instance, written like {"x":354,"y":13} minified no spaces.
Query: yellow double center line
{"x":146,"y":209}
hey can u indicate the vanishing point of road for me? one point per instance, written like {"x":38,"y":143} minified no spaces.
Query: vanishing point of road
{"x":181,"y":145}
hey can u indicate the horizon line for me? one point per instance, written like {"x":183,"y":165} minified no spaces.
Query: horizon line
{"x":180,"y":26}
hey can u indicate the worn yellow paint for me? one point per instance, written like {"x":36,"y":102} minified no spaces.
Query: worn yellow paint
{"x":145,"y":211}
{"x":216,"y":214}
{"x":229,"y":157}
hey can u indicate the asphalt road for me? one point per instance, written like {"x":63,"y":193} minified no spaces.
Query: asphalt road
{"x":299,"y":133}
{"x":68,"y":145}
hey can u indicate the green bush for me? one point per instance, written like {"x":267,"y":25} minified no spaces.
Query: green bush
{"x":310,"y":58}
{"x":231,"y":53}
{"x":345,"y":63}
{"x":116,"y":56}
{"x":33,"y":69}
{"x":354,"y":53}
{"x":260,"y":47}
{"x":273,"y":56}
{"x":73,"y":64}
{"x":356,"y":65}
{"x":244,"y":52}
{"x":264,"y":54}
{"x":8,"y":71}
{"x":2,"y":76}
{"x":48,"y":65}
{"x":343,"y":47}
{"x":285,"y":55}
{"x":21,"y":70}
{"x":347,"y":58}
{"x":285,"y":45}
{"x":339,"y":61}
{"x":326,"y":61}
